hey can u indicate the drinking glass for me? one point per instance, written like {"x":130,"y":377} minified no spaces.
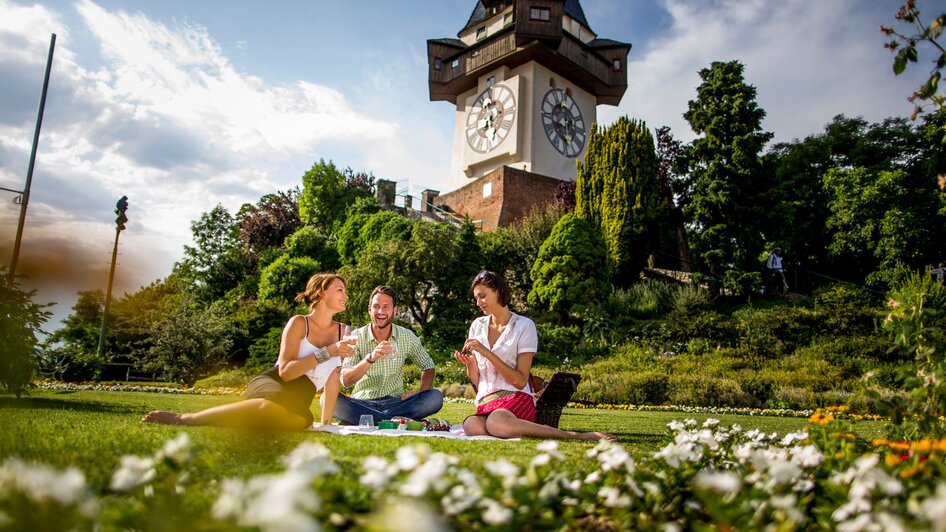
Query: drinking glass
{"x":366,"y":421}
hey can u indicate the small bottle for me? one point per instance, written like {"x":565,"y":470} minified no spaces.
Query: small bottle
{"x":402,"y":424}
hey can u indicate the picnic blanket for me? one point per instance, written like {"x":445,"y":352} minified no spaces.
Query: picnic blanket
{"x":455,"y":433}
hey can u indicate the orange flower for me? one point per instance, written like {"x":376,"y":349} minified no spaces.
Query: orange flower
{"x":913,"y":470}
{"x":892,"y":460}
{"x":923,"y":446}
{"x":820,"y":419}
{"x":840,"y":408}
{"x":879,"y":442}
{"x":899,"y":445}
{"x":939,"y":445}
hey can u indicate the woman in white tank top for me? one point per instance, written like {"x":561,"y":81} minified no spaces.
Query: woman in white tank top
{"x":310,"y":354}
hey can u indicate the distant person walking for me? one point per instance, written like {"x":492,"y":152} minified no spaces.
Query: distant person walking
{"x":775,"y":270}
{"x":939,"y":274}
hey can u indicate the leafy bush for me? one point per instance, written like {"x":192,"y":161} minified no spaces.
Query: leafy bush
{"x":695,"y":389}
{"x":556,"y":341}
{"x":638,"y":388}
{"x":776,"y":331}
{"x":264,"y":351}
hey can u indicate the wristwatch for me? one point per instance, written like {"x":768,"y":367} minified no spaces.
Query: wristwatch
{"x":368,"y":358}
{"x":321,"y":354}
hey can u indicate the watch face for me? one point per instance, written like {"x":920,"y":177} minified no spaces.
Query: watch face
{"x":563,"y":123}
{"x":491,"y":118}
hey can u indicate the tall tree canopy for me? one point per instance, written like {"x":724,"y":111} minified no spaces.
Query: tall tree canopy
{"x":617,"y":193}
{"x":725,"y":186}
{"x":327,"y":192}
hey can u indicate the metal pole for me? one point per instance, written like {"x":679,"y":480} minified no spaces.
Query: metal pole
{"x":25,"y":198}
{"x":108,"y":298}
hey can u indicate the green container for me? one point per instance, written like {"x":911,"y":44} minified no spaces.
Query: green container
{"x":415,"y":425}
{"x":387,"y":425}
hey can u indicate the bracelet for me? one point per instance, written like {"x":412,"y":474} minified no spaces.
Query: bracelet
{"x":321,"y":355}
{"x":368,"y":359}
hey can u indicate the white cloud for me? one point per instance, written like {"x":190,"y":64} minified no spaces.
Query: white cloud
{"x":809,"y":61}
{"x":166,"y":120}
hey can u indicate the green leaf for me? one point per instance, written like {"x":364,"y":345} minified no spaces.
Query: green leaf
{"x":900,"y":62}
{"x":911,"y":53}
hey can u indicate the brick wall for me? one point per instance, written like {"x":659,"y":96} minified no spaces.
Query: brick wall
{"x":514,"y":193}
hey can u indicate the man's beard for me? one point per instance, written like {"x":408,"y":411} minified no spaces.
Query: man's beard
{"x":376,"y":323}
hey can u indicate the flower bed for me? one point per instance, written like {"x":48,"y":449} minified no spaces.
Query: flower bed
{"x":824,"y":477}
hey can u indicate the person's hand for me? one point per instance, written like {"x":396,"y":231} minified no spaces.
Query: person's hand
{"x":343,"y":348}
{"x":464,"y":357}
{"x":407,"y":394}
{"x":381,"y":351}
{"x":472,"y":345}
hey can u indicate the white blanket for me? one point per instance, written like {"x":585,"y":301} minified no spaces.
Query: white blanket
{"x":455,"y":433}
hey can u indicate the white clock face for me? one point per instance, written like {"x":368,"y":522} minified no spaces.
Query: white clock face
{"x":490,"y":119}
{"x":563,"y":123}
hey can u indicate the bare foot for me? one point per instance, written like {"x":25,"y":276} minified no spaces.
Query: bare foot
{"x":163,"y":418}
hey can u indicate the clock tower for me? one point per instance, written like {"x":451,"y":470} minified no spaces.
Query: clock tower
{"x":526,"y":77}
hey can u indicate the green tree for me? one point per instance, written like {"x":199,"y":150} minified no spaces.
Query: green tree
{"x":327,"y":193}
{"x":418,"y":269}
{"x":571,"y":270}
{"x":309,"y":242}
{"x":361,"y":229}
{"x":725,"y":188}
{"x":188,"y":342}
{"x":217,"y":262}
{"x":617,"y":192}
{"x":511,"y":251}
{"x":21,"y":320}
{"x":286,"y":277}
{"x":881,"y":219}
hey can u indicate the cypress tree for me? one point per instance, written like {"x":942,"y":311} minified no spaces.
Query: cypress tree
{"x":617,"y":193}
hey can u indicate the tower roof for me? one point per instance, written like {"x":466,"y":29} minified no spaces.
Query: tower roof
{"x":572,"y":9}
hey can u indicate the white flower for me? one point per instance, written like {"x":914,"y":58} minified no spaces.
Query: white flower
{"x":429,"y":474}
{"x":502,"y":468}
{"x":614,"y":458}
{"x":710,"y":423}
{"x":42,"y":483}
{"x":725,"y":483}
{"x":689,"y":422}
{"x":270,"y":502}
{"x":377,"y":473}
{"x":459,"y":499}
{"x":409,"y":457}
{"x":676,"y":426}
{"x":933,"y":509}
{"x":550,"y":447}
{"x":177,"y":449}
{"x":808,"y":456}
{"x":312,"y":458}
{"x":495,"y":513}
{"x":593,"y":477}
{"x":540,"y":460}
{"x":406,"y":515}
{"x":613,"y":497}
{"x":133,"y":471}
{"x":793,"y":437}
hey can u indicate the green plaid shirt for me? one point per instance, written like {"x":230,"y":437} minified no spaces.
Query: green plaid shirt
{"x":384,"y":378}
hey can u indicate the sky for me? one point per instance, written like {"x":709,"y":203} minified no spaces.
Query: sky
{"x":184,"y":105}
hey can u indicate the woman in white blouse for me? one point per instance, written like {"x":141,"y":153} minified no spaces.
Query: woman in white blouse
{"x":498,"y":356}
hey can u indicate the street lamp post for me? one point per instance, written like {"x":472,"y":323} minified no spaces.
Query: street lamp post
{"x":24,"y":196}
{"x":120,"y":222}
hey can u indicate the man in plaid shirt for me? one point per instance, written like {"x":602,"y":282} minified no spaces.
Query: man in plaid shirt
{"x":376,"y":369}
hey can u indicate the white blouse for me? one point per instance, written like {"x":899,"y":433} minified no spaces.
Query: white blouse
{"x":518,"y":337}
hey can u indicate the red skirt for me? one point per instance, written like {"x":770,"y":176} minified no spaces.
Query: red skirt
{"x":521,"y":404}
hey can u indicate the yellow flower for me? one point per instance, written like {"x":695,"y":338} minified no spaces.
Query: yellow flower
{"x":844,"y":436}
{"x":840,"y":408}
{"x":879,"y":442}
{"x":892,"y":460}
{"x":913,"y":470}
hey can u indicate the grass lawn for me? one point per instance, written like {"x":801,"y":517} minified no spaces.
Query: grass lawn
{"x":91,"y":430}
